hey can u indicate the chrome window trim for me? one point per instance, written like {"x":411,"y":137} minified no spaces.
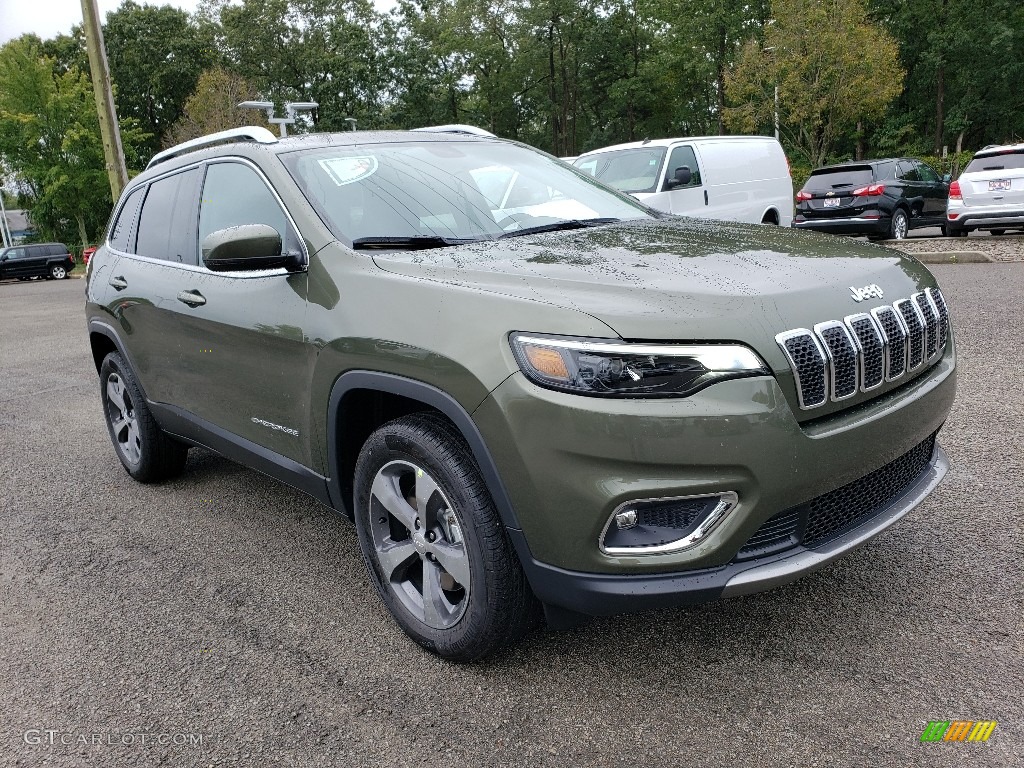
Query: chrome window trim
{"x":781,"y":340}
{"x":875,"y":313}
{"x":828,"y":324}
{"x":727,"y":503}
{"x":200,"y":268}
{"x":849,"y":320}
{"x":924,"y":332}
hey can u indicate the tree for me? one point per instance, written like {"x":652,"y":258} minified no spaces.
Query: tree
{"x":50,"y":142}
{"x":327,"y":51}
{"x":156,"y":57}
{"x":832,"y":66}
{"x":214,"y":107}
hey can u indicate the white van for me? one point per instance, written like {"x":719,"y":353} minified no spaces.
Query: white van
{"x":735,"y":178}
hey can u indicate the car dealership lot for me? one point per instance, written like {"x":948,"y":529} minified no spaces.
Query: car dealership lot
{"x":231,"y":607}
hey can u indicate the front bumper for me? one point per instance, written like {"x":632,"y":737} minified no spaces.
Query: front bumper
{"x":602,"y":595}
{"x":854,"y":225}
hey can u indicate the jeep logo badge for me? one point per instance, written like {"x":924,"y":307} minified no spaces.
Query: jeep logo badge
{"x":867,"y":292}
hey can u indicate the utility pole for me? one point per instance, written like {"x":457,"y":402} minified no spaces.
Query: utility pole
{"x":110,"y":131}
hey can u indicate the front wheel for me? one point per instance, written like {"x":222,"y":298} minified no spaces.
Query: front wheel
{"x":900,"y":225}
{"x":57,"y":272}
{"x":433,"y":542}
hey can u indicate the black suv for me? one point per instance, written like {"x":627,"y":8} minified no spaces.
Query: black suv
{"x":51,"y":260}
{"x":878,"y":198}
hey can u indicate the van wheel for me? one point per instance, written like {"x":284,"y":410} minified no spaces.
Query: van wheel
{"x":145,"y":451}
{"x":998,"y":232}
{"x":433,"y":542}
{"x":57,"y":272}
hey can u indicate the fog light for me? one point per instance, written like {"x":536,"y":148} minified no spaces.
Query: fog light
{"x":625,"y":519}
{"x":664,"y":526}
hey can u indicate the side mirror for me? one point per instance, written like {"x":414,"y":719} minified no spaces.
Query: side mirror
{"x":947,"y":178}
{"x":683,"y":176}
{"x":246,"y":247}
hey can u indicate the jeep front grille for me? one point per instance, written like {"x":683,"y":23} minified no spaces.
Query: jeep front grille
{"x":839,"y":358}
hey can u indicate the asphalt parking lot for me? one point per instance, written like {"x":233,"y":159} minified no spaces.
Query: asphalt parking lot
{"x":233,"y":613}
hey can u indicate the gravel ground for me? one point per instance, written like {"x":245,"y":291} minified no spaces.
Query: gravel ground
{"x":234,"y":609}
{"x":1002,"y":248}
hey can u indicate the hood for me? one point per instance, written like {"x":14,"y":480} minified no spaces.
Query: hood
{"x":680,"y":279}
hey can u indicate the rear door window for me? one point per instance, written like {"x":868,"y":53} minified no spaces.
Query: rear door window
{"x":123,"y":230}
{"x":683,"y":156}
{"x":167,"y":228}
{"x":839,"y":179}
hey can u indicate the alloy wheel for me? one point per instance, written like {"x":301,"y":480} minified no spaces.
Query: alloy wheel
{"x":899,"y":227}
{"x":125,"y":425}
{"x":418,"y":544}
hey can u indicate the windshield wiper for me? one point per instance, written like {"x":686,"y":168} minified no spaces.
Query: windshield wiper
{"x":560,"y":225}
{"x":414,"y":243}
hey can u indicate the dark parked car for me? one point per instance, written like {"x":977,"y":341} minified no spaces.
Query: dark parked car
{"x":51,"y":260}
{"x":496,"y":393}
{"x":883,"y":199}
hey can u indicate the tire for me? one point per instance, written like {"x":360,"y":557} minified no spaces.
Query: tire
{"x":58,"y":272}
{"x":956,"y":232}
{"x":477,"y":597}
{"x":145,"y":451}
{"x":997,"y":232}
{"x":899,"y":226}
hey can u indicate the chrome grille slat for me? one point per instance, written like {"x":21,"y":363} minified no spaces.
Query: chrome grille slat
{"x":842,"y":358}
{"x":871,"y":348}
{"x":916,"y":331}
{"x":931,"y":321}
{"x":939,"y":303}
{"x":895,"y":333}
{"x":839,"y":358}
{"x":807,"y":360}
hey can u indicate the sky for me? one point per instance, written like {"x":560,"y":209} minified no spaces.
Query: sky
{"x":47,"y":18}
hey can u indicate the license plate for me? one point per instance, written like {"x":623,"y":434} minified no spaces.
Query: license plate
{"x":830,"y":202}
{"x":999,"y":185}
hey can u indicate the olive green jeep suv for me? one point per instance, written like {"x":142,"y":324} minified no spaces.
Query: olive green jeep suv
{"x":528,"y":391}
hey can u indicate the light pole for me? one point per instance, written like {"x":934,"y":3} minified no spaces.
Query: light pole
{"x":291,"y":111}
{"x":110,"y":131}
{"x":771,"y":49}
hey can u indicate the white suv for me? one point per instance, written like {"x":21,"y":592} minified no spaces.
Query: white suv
{"x":989,"y":193}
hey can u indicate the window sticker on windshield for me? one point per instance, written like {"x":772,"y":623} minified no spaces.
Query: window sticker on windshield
{"x":345,"y":170}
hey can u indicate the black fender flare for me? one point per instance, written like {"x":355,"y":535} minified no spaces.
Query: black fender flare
{"x":107,"y":330}
{"x":428,"y":395}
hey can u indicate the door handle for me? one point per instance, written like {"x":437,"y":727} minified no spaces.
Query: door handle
{"x":192,"y":298}
{"x":119,"y":283}
{"x":705,"y":197}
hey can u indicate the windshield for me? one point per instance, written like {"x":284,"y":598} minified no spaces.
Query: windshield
{"x":435,"y":193}
{"x":628,"y":170}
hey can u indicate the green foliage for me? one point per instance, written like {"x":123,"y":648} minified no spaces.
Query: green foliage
{"x":214,"y":107}
{"x":814,"y":54}
{"x":156,"y":56}
{"x":50,"y":142}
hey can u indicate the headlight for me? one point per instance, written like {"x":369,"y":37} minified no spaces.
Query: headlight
{"x":621,"y":369}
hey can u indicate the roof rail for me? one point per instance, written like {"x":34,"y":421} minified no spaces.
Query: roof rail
{"x":470,"y":130}
{"x":248,"y":133}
